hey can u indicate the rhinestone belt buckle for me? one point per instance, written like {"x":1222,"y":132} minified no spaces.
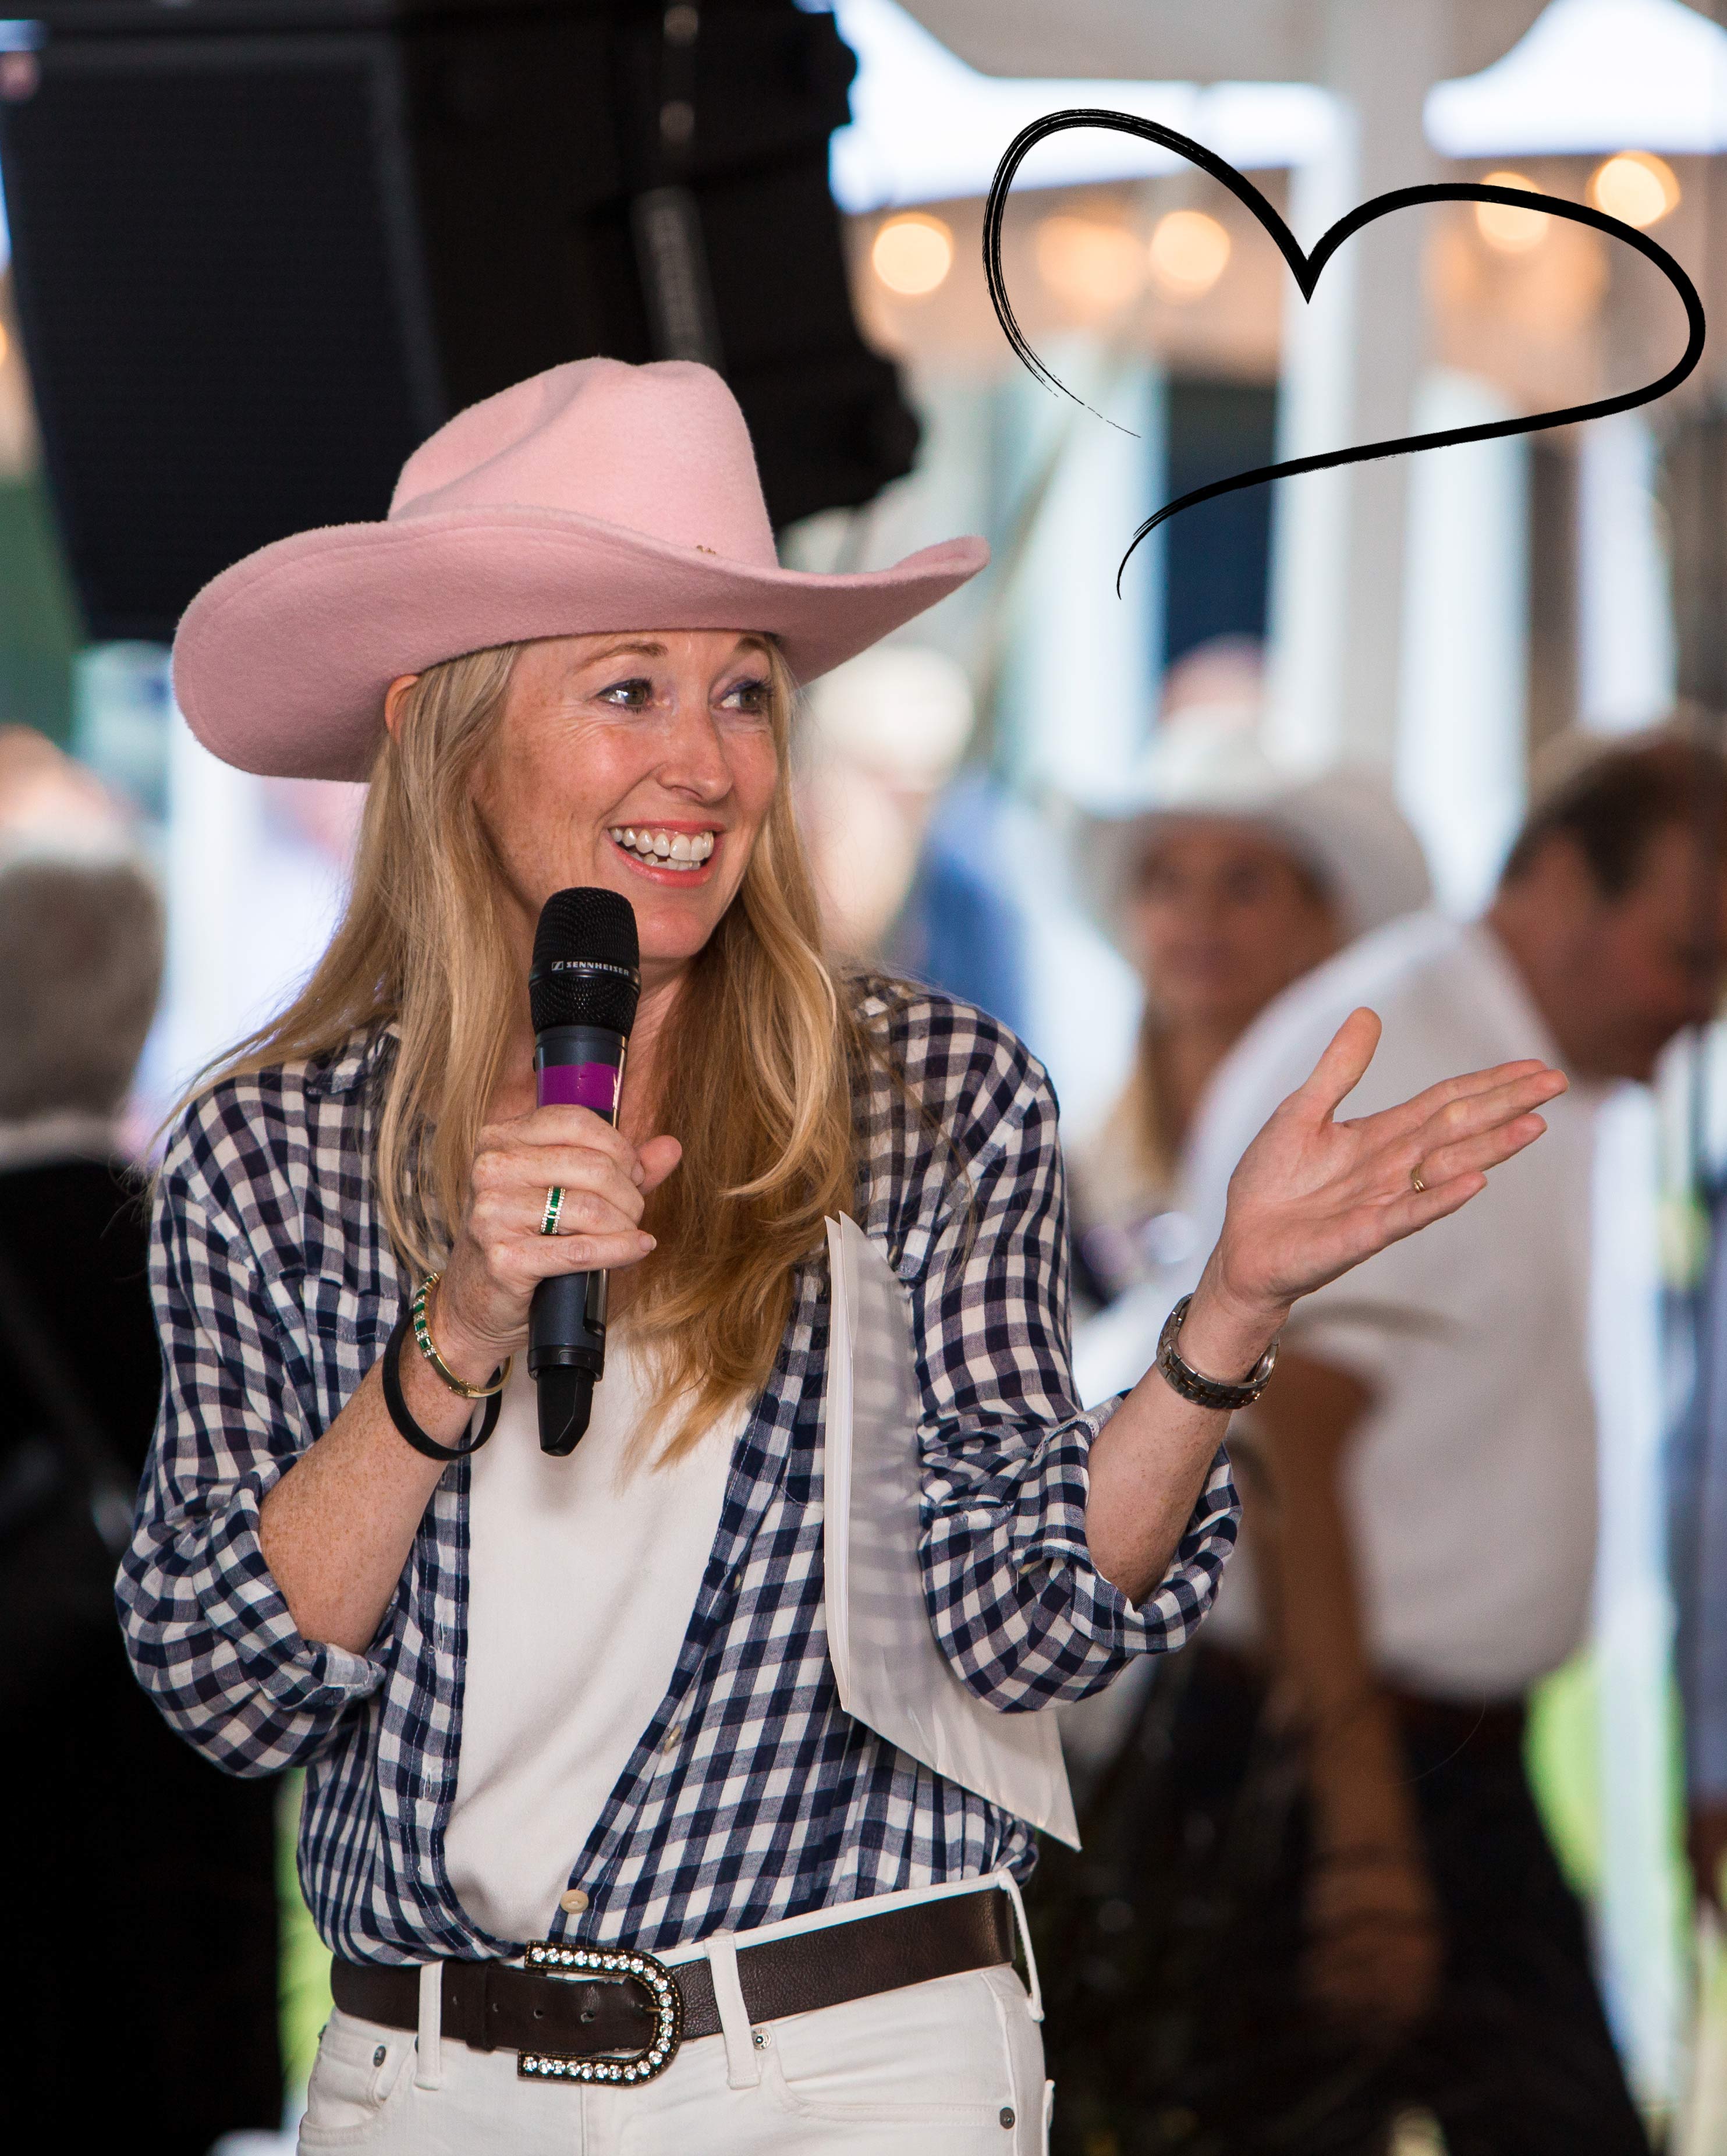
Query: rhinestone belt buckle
{"x":589,"y":1964}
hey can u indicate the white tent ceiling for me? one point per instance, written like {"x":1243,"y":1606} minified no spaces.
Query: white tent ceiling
{"x":931,"y":120}
{"x":1166,"y":40}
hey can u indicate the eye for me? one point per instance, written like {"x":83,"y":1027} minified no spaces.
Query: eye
{"x":635,"y":694}
{"x":754,"y":697}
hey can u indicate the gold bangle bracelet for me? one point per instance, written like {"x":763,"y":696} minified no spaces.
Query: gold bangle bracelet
{"x":429,"y":1348}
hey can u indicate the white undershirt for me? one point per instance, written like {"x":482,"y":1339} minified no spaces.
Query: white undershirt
{"x":582,"y":1576}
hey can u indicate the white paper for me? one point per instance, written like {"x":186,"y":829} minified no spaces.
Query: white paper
{"x":892,"y":1674}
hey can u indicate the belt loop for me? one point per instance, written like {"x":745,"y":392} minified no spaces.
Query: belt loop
{"x":428,"y":2064}
{"x":1010,"y":1886}
{"x":743,"y":2064}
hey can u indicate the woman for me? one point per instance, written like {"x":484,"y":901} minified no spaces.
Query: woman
{"x":1222,"y":880}
{"x":590,"y":1702}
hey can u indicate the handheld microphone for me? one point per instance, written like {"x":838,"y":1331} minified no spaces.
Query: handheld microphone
{"x":582,"y":988}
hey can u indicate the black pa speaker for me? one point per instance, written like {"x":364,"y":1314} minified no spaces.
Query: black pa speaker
{"x":262,"y":247}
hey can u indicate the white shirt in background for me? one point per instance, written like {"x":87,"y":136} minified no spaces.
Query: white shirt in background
{"x":583,"y":1575}
{"x":1472,"y":1480}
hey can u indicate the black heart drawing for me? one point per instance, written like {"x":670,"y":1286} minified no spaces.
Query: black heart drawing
{"x":1307,"y":270}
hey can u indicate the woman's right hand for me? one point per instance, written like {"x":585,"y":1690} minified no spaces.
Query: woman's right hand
{"x":500,"y":1257}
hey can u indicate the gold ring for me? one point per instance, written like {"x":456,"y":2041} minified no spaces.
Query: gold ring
{"x":554,"y":1206}
{"x":1415,"y":1180}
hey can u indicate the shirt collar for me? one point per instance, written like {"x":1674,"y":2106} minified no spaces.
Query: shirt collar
{"x":348,"y":1069}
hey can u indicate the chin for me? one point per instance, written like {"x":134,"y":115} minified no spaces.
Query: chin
{"x":673,"y":928}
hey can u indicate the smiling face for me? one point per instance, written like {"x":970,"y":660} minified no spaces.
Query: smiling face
{"x":644,"y":763}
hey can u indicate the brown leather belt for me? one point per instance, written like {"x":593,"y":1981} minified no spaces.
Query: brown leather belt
{"x":618,"y":2015}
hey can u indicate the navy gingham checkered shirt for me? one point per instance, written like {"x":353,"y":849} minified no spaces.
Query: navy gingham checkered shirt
{"x":751,"y":1795}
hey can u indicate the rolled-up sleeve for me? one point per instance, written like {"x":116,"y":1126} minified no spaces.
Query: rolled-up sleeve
{"x":1022,"y":1612}
{"x":208,"y":1628}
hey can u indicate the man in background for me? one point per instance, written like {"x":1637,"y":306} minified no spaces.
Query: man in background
{"x":141,"y":1890}
{"x":1366,"y":1913}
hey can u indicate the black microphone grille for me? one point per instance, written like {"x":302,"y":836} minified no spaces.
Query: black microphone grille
{"x":586,"y":961}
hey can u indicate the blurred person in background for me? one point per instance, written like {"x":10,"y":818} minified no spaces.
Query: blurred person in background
{"x":1327,"y":1856}
{"x":896,"y":872}
{"x":142,"y":1887}
{"x":1695,"y":1468}
{"x":1222,"y":880}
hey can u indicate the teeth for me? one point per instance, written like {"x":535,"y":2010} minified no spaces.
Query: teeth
{"x":676,"y":850}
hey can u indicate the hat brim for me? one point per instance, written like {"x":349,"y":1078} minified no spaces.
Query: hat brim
{"x":280,"y":664}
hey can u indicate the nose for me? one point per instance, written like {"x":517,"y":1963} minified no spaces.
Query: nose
{"x":695,"y":762}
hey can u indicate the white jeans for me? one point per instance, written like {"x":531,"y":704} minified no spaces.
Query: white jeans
{"x":949,"y":2068}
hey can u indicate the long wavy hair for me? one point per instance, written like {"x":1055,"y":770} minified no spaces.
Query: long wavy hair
{"x":756,"y":1078}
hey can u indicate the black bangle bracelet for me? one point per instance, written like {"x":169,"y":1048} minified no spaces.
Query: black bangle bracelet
{"x":407,"y":1428}
{"x":1209,"y":1392}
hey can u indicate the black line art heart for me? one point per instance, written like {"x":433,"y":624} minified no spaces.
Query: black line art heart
{"x":1307,"y":270}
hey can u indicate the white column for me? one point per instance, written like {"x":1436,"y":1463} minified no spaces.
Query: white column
{"x":1082,"y":665}
{"x":1639,"y":1924}
{"x":1351,"y":360}
{"x":1079,"y":693}
{"x":215,"y":836}
{"x":1625,"y":659}
{"x":1460,"y":760}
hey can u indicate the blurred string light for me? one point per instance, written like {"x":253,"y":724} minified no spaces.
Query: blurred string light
{"x":1189,"y":252}
{"x":1087,"y":263}
{"x":912,"y":255}
{"x":1635,"y":186}
{"x":1506,"y":230}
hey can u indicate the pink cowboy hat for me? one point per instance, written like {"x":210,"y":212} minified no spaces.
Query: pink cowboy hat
{"x":594,"y":497}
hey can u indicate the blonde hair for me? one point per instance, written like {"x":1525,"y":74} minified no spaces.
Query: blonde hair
{"x":756,"y":1077}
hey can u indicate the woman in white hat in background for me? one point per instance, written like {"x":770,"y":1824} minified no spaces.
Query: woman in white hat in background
{"x":604,"y":1863}
{"x":1222,"y":880}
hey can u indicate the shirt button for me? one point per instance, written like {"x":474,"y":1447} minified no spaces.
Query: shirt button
{"x":672,"y":1737}
{"x":1007,"y":2114}
{"x":574,"y":1902}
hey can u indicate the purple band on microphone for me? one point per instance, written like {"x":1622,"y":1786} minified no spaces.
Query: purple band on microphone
{"x":580,"y":1085}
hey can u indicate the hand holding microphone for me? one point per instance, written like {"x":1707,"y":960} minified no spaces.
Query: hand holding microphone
{"x":507,"y":1284}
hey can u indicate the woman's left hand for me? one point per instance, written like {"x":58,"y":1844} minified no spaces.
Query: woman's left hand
{"x":1313,"y":1196}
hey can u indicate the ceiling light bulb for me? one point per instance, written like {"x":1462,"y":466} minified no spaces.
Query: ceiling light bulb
{"x":912,"y":255}
{"x":1088,"y":263}
{"x":1189,"y":252}
{"x":1507,"y":230}
{"x":1635,"y":186}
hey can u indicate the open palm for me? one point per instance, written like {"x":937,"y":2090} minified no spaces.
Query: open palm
{"x":1313,"y":1196}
